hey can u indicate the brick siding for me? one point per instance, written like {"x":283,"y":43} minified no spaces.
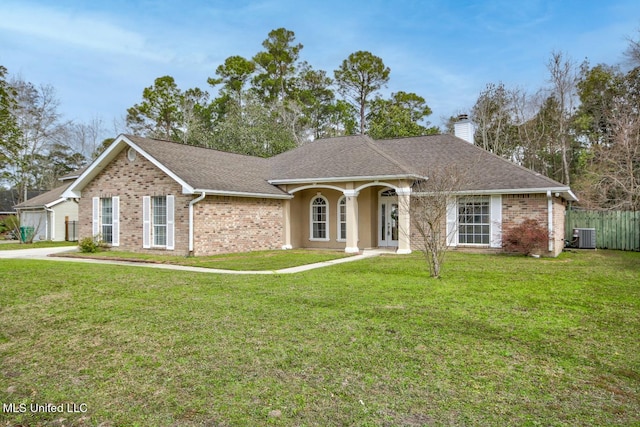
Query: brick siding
{"x":130,"y":181}
{"x":234,"y":224}
{"x":518,"y":207}
{"x":222,"y":224}
{"x":515,"y":209}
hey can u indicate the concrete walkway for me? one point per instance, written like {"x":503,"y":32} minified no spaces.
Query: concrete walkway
{"x":44,"y":254}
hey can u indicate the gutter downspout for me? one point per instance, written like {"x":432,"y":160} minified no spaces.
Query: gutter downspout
{"x":191,"y":225}
{"x":550,"y":219}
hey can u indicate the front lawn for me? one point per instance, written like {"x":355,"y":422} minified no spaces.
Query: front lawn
{"x":43,"y":244}
{"x":247,"y":261}
{"x":499,"y":340}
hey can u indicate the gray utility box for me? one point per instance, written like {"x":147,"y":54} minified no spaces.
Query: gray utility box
{"x":585,"y":238}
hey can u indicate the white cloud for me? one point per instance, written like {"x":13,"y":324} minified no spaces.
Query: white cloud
{"x":86,"y":31}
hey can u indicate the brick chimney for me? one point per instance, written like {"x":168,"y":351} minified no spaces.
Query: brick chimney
{"x":463,"y":128}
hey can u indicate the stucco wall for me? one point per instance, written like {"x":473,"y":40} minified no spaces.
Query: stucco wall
{"x":300,"y":218}
{"x":559,"y":212}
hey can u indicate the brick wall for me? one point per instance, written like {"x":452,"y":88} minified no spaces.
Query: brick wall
{"x":131,"y":180}
{"x":515,"y":209}
{"x":235,"y":224}
{"x":222,"y":224}
{"x":518,"y":207}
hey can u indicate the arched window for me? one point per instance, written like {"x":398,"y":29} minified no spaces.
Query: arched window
{"x":319,"y":225}
{"x":342,"y":218}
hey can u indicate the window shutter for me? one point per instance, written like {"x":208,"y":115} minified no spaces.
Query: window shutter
{"x":170,"y":222}
{"x":95,"y":229}
{"x":495,"y":216}
{"x":452,"y":221}
{"x":146,"y":221}
{"x":115,"y":205}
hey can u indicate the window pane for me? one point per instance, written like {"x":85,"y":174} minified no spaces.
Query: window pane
{"x":160,"y":235}
{"x":159,"y":221}
{"x":107,"y":233}
{"x":160,"y":210}
{"x":473,"y":220}
{"x":342,"y":219}
{"x":106,"y":219}
{"x":107,"y":210}
{"x":319,"y":218}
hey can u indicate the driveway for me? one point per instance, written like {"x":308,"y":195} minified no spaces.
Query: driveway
{"x":44,"y":254}
{"x":36,"y":253}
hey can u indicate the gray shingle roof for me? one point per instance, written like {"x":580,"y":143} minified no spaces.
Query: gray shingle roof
{"x":486,"y":170}
{"x":360,"y":156}
{"x":207,"y":169}
{"x":350,"y":157}
{"x":44,"y":198}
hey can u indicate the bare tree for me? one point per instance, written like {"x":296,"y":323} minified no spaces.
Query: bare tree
{"x":633,"y":51}
{"x":85,"y":138}
{"x":432,"y":202}
{"x":41,"y":127}
{"x":493,"y":117}
{"x":615,"y":173}
{"x":563,"y":79}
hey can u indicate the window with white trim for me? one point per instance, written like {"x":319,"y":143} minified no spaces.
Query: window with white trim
{"x":158,"y":222}
{"x":342,"y":218}
{"x":319,"y":219}
{"x":474,"y":222}
{"x":106,"y":219}
{"x":159,"y":206}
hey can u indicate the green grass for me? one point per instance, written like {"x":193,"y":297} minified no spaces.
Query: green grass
{"x":44,"y":244}
{"x":499,"y":340}
{"x":249,"y":261}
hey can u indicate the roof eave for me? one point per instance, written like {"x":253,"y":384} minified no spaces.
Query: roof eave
{"x":230,"y":193}
{"x":566,"y":192}
{"x":343,"y":179}
{"x":75,"y":189}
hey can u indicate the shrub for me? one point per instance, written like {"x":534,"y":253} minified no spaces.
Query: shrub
{"x":92,"y":244}
{"x":11,"y":225}
{"x":528,"y":238}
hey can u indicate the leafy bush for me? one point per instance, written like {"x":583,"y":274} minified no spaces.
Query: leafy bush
{"x":528,"y":238}
{"x":92,"y":244}
{"x":10,"y":224}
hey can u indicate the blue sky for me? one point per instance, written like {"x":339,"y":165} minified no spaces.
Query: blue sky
{"x":100,"y":55}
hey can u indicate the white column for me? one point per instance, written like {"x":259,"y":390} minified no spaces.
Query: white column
{"x":351,"y":197}
{"x":404,"y":220}
{"x":550,"y":220}
{"x":286,"y":224}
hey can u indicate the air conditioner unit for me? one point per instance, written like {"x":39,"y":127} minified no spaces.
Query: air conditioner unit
{"x":586,"y":237}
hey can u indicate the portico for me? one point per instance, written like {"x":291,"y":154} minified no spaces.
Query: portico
{"x":348,"y":215}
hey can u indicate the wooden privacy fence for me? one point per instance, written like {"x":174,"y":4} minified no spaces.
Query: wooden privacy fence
{"x":71,"y":231}
{"x":614,"y":229}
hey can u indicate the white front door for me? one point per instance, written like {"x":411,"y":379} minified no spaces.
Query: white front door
{"x":388,"y":219}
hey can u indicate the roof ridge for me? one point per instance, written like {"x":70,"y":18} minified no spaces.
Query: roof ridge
{"x":373,"y":143}
{"x":200,"y":147}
